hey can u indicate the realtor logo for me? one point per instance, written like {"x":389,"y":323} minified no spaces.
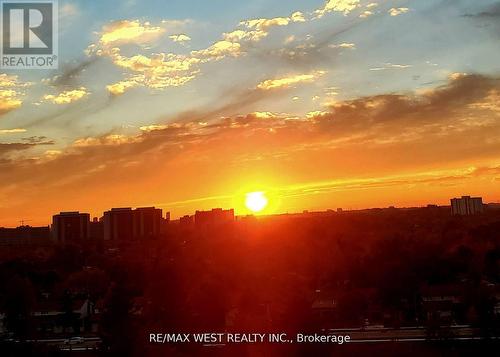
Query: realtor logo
{"x":29,"y":34}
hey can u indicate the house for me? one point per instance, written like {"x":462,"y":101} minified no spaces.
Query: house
{"x":442,"y":303}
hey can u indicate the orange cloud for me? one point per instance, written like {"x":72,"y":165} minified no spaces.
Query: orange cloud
{"x":108,"y":140}
{"x":12,"y":131}
{"x":153,"y":127}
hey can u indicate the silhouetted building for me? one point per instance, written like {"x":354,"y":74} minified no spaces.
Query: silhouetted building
{"x":186,"y":221}
{"x":118,"y":224}
{"x":165,"y":224}
{"x":466,"y":206}
{"x":214,"y":217}
{"x":96,"y":229}
{"x":70,"y":226}
{"x":147,"y":223}
{"x":493,"y":206}
{"x":125,"y":224}
{"x":25,"y":235}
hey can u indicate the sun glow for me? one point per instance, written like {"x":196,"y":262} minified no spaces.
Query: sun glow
{"x":256,"y":201}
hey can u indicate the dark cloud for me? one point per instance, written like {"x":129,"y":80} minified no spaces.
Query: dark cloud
{"x":36,"y":139}
{"x":65,"y":115}
{"x":29,"y":143}
{"x":71,"y":72}
{"x":230,"y":102}
{"x":492,"y":11}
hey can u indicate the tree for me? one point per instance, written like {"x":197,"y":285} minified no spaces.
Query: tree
{"x":19,"y":303}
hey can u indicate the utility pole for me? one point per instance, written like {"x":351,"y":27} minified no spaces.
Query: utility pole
{"x":23,"y":221}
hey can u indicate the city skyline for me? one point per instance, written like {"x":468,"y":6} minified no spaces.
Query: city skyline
{"x":166,"y":214}
{"x":314,"y":103}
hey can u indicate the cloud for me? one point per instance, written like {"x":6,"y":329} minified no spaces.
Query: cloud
{"x":386,"y":114}
{"x":289,"y":39}
{"x":129,"y":31}
{"x":12,"y":131}
{"x":9,"y":101}
{"x":391,"y":66}
{"x":344,"y":6}
{"x":156,"y":72}
{"x":108,"y":140}
{"x":25,"y":144}
{"x":375,"y":120}
{"x":316,"y":114}
{"x":120,"y":87}
{"x":286,"y":82}
{"x":348,"y":45}
{"x":217,"y":51}
{"x":153,"y":127}
{"x":297,"y":16}
{"x":162,"y":70}
{"x":255,"y":30}
{"x":396,"y":11}
{"x":427,"y":178}
{"x":366,"y":14}
{"x":491,"y":102}
{"x":270,"y":115}
{"x":180,"y":38}
{"x":70,"y":73}
{"x":67,"y":97}
{"x":490,"y":12}
{"x":11,"y":90}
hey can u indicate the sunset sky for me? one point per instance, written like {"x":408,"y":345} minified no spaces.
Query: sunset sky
{"x":189,"y":105}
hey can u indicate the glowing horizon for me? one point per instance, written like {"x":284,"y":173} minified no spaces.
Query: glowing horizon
{"x":188,"y":110}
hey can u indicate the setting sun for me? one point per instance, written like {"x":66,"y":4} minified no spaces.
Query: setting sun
{"x":256,"y":201}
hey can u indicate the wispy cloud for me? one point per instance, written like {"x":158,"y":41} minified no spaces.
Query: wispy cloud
{"x":12,"y":131}
{"x":285,"y":82}
{"x":391,"y":66}
{"x":396,"y":11}
{"x":347,"y":45}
